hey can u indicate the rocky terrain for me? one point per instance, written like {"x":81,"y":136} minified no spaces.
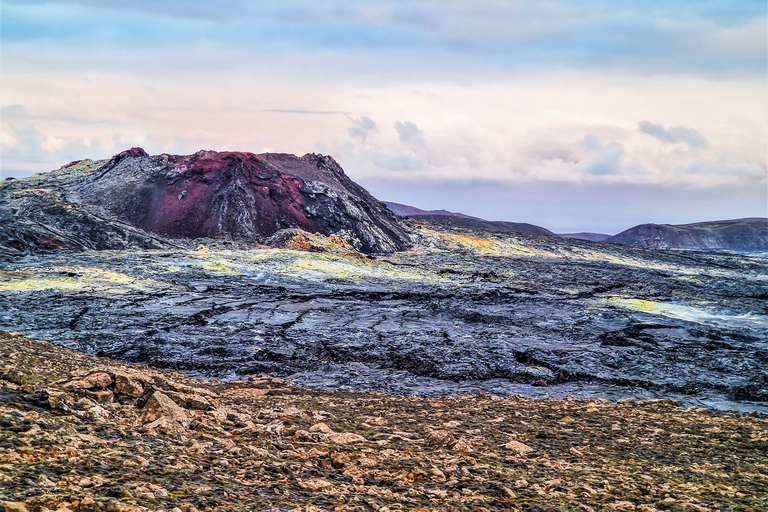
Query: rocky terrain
{"x":135,"y":200}
{"x":737,"y":235}
{"x":85,"y":434}
{"x":446,"y":218}
{"x":469,"y":311}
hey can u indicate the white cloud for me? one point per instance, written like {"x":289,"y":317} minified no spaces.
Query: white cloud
{"x":674,"y":134}
{"x":361,"y":128}
{"x":521,"y":128}
{"x":409,"y":134}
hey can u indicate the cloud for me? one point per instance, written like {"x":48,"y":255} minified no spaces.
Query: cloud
{"x":410,"y":134}
{"x":361,"y":128}
{"x":674,"y":134}
{"x":554,"y":127}
{"x":604,"y":158}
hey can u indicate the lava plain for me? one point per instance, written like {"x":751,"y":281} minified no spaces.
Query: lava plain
{"x":466,"y":311}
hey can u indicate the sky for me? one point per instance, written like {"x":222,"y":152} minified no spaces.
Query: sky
{"x":590,"y":115}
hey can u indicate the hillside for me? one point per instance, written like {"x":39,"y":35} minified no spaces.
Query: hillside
{"x":142,"y":201}
{"x":446,"y":218}
{"x":749,"y":234}
{"x":590,"y":237}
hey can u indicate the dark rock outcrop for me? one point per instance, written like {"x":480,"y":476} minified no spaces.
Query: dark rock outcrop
{"x":138,"y":200}
{"x":739,"y":235}
{"x":590,"y":237}
{"x":446,"y":218}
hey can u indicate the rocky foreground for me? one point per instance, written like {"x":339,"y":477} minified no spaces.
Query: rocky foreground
{"x":80,"y":433}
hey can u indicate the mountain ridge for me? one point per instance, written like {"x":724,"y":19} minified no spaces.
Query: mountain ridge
{"x":746,"y":234}
{"x":456,"y":219}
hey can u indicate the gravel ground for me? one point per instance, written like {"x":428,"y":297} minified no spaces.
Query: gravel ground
{"x":80,"y":433}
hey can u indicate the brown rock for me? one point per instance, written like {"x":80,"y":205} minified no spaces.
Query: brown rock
{"x":274,"y":429}
{"x":160,"y":406}
{"x":439,"y":438}
{"x":308,"y":437}
{"x":127,"y":385}
{"x":509,"y":492}
{"x":320,"y":427}
{"x":12,"y":506}
{"x":344,"y":438}
{"x":462,"y":445}
{"x":356,"y":474}
{"x":76,"y":384}
{"x":102,"y":396}
{"x":315,"y":484}
{"x":194,"y":401}
{"x":99,"y":380}
{"x":377,"y":420}
{"x":518,"y":447}
{"x":438,"y":475}
{"x":13,"y":374}
{"x":58,"y":400}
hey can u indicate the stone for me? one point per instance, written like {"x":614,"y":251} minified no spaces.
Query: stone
{"x":438,"y":475}
{"x":273,"y":429}
{"x":127,"y":385}
{"x":98,"y":380}
{"x":439,"y":438}
{"x":13,"y":506}
{"x":194,"y":401}
{"x":518,"y":447}
{"x":509,"y":493}
{"x":462,"y":445}
{"x":344,"y":438}
{"x":160,"y":406}
{"x":308,"y":437}
{"x":320,"y":427}
{"x":315,"y":484}
{"x":102,"y":396}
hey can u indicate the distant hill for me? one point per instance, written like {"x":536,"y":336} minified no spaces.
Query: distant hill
{"x":465,"y":221}
{"x":738,"y":234}
{"x":591,"y":237}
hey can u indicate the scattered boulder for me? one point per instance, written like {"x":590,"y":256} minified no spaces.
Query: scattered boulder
{"x":518,"y":447}
{"x":315,"y":484}
{"x":320,"y":427}
{"x":13,"y":506}
{"x":127,"y":385}
{"x":345,"y":438}
{"x":462,"y":445}
{"x":160,"y":406}
{"x":439,"y":438}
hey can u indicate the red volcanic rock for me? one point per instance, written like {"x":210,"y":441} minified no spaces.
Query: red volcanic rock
{"x":230,"y":195}
{"x":49,"y":243}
